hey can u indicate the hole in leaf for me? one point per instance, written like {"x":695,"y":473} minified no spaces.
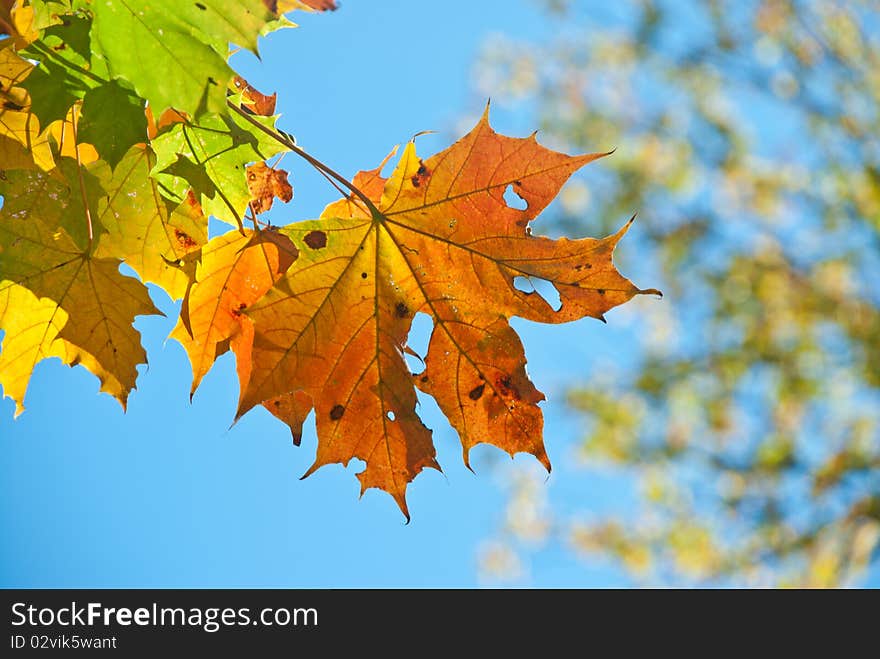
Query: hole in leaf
{"x":540,"y":286}
{"x":417,"y":340}
{"x":523,"y":284}
{"x":512,"y":199}
{"x":390,"y":415}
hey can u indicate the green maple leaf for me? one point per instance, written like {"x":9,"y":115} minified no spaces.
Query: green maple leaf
{"x":174,"y":53}
{"x":112,"y":120}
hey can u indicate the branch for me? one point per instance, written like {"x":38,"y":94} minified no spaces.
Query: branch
{"x":286,"y":141}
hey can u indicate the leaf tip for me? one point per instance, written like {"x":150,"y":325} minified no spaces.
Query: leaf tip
{"x":466,"y":458}
{"x":542,"y":457}
{"x":401,"y":502}
{"x":484,"y":119}
{"x":311,"y":470}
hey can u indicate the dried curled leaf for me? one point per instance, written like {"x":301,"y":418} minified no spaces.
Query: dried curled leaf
{"x":265,"y":183}
{"x":253,"y":99}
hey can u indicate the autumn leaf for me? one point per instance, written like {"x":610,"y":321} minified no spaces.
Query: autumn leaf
{"x":17,"y":122}
{"x":157,"y":242}
{"x":234,"y":272}
{"x":437,"y":238}
{"x":31,"y":325}
{"x":17,"y":20}
{"x":82,"y":305}
{"x":292,"y":409}
{"x":264,"y":184}
{"x":253,"y":99}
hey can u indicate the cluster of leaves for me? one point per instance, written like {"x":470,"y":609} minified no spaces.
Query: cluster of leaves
{"x":751,"y":420}
{"x":123,"y":128}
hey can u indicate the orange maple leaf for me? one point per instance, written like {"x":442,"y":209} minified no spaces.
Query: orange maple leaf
{"x":437,"y":237}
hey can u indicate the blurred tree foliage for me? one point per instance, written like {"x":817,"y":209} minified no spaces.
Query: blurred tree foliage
{"x":748,"y":138}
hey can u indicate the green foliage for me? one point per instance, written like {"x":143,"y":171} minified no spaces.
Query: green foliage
{"x":746,"y":138}
{"x":209,"y":157}
{"x":112,"y":120}
{"x":175,"y":52}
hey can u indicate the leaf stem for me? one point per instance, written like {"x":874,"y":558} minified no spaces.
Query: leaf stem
{"x":285,"y":140}
{"x":82,"y":183}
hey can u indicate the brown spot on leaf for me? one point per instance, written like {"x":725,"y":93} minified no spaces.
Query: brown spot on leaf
{"x":420,"y":176}
{"x":600,"y":291}
{"x":363,"y":275}
{"x":337,"y":412}
{"x":506,"y":388}
{"x":316,"y":239}
{"x":401,"y":310}
{"x":477,"y":392}
{"x":424,"y":378}
{"x":184,"y":239}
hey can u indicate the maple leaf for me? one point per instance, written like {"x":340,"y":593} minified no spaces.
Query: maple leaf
{"x":439,"y":239}
{"x":155,"y":241}
{"x":188,"y":39}
{"x":82,"y":304}
{"x":234,"y":272}
{"x":112,"y":120}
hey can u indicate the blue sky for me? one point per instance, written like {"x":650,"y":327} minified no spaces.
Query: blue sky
{"x":169,"y":495}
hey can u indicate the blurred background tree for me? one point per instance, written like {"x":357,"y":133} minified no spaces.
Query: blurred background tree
{"x":748,"y":139}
